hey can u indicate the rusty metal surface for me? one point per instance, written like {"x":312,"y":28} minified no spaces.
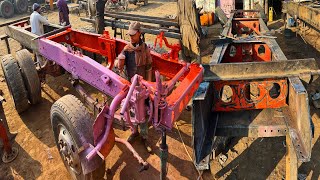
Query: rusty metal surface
{"x":252,"y":123}
{"x":19,"y":33}
{"x":298,"y":119}
{"x":260,"y":70}
{"x":255,"y":94}
{"x":290,"y":119}
{"x":14,"y":21}
{"x":305,"y":12}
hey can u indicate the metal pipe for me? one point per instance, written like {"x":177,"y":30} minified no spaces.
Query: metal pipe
{"x":124,"y":25}
{"x":177,"y":76}
{"x":113,"y":107}
{"x":266,"y":8}
{"x":141,"y":16}
{"x":53,"y":32}
{"x":126,"y":102}
{"x":163,"y":155}
{"x":144,"y":164}
{"x":146,"y":19}
{"x":157,"y":98}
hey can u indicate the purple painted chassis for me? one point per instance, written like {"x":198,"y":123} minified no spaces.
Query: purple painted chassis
{"x":125,"y":94}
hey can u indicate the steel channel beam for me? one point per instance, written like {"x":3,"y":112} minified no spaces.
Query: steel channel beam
{"x":124,"y":25}
{"x":14,"y":21}
{"x":298,"y":119}
{"x":146,"y":19}
{"x":25,"y":37}
{"x":260,"y":70}
{"x":252,"y":123}
{"x":303,"y":12}
{"x":292,"y":121}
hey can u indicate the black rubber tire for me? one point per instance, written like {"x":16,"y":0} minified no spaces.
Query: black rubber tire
{"x":15,"y":83}
{"x":71,"y":113}
{"x":6,"y":9}
{"x":20,"y":6}
{"x":29,"y":75}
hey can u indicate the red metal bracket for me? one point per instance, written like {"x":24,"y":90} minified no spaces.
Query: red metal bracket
{"x":5,"y":139}
{"x":99,"y":44}
{"x":173,"y":54}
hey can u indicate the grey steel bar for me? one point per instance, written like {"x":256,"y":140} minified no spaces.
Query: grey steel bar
{"x":260,"y":70}
{"x":53,"y":32}
{"x":147,"y":19}
{"x":14,"y":21}
{"x":124,"y":25}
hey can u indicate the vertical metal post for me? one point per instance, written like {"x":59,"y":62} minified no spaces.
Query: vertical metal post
{"x":51,"y":5}
{"x":291,"y":161}
{"x":163,"y":155}
{"x":100,"y":16}
{"x":266,"y":8}
{"x":4,"y":137}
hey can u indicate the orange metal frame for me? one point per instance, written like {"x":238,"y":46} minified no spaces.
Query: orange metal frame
{"x":258,"y":94}
{"x":247,"y":52}
{"x":248,"y":94}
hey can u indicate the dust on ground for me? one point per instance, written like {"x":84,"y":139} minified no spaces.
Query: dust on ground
{"x":248,"y":158}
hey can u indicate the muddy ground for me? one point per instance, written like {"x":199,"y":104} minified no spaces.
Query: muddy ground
{"x":249,"y":158}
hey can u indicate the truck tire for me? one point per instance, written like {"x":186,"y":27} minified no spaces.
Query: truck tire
{"x":6,"y":9}
{"x":15,"y":83}
{"x":72,"y":128}
{"x":29,"y":75}
{"x":20,"y":6}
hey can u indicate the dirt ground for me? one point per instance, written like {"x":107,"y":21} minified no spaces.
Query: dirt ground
{"x":249,"y":158}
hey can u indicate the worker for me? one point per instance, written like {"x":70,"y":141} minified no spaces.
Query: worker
{"x":137,"y":59}
{"x":190,"y":29}
{"x":63,"y":12}
{"x":37,"y":20}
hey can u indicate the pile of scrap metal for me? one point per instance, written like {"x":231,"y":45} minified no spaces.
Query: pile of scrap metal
{"x":115,"y":20}
{"x":306,"y":11}
{"x":6,"y":137}
{"x":250,"y":89}
{"x":305,"y":15}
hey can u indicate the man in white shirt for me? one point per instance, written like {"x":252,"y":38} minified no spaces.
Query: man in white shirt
{"x":37,"y":21}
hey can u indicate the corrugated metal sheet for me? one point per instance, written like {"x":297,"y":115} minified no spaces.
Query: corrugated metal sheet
{"x":207,"y":5}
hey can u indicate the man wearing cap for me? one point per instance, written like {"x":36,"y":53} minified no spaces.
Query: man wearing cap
{"x":137,"y":59}
{"x":37,"y":21}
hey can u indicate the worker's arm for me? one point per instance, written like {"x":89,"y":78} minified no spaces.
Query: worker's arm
{"x":43,"y":20}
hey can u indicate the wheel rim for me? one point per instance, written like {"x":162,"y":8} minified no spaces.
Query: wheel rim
{"x":68,"y":150}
